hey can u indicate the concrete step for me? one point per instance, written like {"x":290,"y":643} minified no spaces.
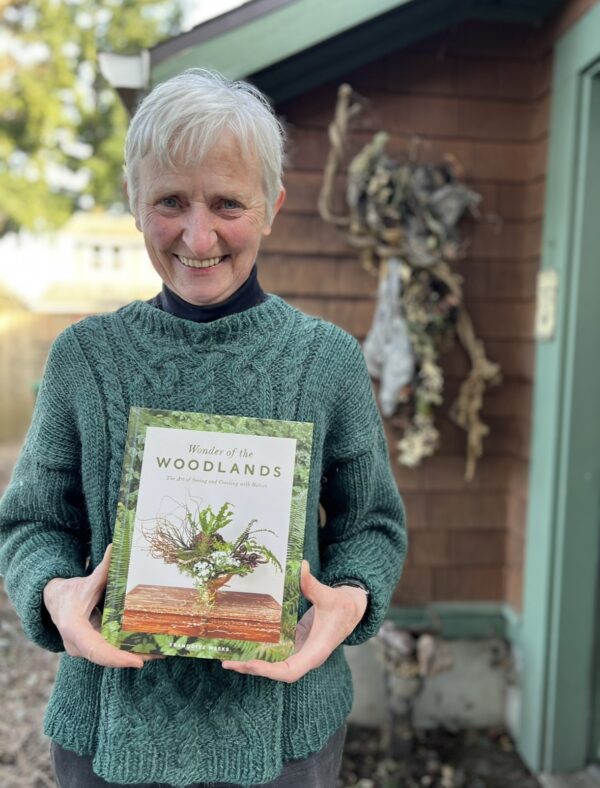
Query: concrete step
{"x":590,"y":778}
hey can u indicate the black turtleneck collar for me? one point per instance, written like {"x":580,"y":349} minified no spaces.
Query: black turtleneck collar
{"x":248,"y":295}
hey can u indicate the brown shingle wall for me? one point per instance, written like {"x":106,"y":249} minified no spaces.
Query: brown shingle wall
{"x":480,"y":91}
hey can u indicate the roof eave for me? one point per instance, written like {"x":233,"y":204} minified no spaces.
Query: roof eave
{"x":287,"y":47}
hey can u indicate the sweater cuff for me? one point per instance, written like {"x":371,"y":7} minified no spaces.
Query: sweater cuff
{"x":352,"y":582}
{"x":25,"y":587}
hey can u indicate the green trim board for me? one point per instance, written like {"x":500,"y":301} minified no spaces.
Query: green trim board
{"x":454,"y":620}
{"x":559,"y":618}
{"x":261,"y":42}
{"x":244,"y":13}
{"x":571,"y":673}
{"x":595,"y":717}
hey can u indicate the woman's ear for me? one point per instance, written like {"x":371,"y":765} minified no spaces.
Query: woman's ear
{"x":279,"y":202}
{"x":275,"y":210}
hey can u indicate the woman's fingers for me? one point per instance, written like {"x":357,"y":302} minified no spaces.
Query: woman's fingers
{"x":72,"y":604}
{"x":87,"y":642}
{"x":334,"y":614}
{"x":303,"y":628}
{"x":90,"y":645}
{"x":310,"y":656}
{"x":82,"y":638}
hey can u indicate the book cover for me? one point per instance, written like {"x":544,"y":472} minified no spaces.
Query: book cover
{"x":208,"y":536}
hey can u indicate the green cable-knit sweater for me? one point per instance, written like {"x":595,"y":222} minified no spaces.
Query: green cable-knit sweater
{"x":181,"y":720}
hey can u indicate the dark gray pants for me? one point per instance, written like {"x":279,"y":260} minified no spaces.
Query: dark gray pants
{"x":319,"y":770}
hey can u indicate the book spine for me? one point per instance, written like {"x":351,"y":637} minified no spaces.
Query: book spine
{"x":122,"y":536}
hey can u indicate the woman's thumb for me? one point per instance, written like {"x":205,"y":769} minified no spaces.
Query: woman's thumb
{"x":100,"y":573}
{"x":309,"y":585}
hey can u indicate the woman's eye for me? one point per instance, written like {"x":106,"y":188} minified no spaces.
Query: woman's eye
{"x":230,"y":205}
{"x":169,"y":202}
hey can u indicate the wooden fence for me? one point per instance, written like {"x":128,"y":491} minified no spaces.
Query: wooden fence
{"x":25,"y":339}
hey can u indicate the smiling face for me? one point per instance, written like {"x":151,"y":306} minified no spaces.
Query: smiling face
{"x":203,"y":225}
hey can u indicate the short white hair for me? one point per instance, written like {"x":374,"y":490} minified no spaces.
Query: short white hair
{"x":181,"y":119}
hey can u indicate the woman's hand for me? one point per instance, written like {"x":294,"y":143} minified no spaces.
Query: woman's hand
{"x":72,"y":607}
{"x":334,"y":614}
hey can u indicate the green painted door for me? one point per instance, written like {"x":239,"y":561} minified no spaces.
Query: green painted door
{"x":595,"y":723}
{"x":590,"y":358}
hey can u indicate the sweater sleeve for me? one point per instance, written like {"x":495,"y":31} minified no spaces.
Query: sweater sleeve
{"x":43,"y":527}
{"x":364,"y":536}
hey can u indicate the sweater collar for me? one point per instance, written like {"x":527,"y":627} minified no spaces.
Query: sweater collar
{"x":250,"y":294}
{"x":265,"y":319}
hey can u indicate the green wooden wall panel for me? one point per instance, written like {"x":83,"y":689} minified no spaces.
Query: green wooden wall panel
{"x":571,"y":645}
{"x":540,"y":544}
{"x":564,"y":513}
{"x":459,"y":620}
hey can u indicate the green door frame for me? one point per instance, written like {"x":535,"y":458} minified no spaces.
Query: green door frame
{"x":559,"y":614}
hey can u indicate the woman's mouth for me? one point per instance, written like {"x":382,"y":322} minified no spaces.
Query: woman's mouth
{"x":208,"y":262}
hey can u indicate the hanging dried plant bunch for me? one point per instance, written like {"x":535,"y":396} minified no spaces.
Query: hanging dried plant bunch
{"x":408,"y":210}
{"x":403,"y":218}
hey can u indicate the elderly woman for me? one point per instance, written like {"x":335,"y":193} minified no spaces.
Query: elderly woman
{"x":203,"y":164}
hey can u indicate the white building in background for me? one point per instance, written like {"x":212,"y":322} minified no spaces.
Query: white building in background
{"x":96,"y":262}
{"x":194,"y":13}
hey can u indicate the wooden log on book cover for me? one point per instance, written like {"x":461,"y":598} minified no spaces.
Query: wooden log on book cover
{"x":176,"y":611}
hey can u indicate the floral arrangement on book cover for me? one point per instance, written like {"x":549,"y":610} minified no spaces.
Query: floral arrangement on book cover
{"x":195,"y":546}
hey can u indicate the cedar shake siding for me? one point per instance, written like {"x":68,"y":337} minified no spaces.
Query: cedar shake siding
{"x":480,"y":91}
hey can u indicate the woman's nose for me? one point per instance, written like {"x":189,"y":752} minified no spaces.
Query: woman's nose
{"x":199,"y":232}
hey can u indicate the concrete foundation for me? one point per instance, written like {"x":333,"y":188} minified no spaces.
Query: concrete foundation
{"x":368,"y":677}
{"x":479,"y":690}
{"x":583,"y":779}
{"x":472,"y":694}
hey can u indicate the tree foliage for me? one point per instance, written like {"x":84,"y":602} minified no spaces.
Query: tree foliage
{"x":62,"y":126}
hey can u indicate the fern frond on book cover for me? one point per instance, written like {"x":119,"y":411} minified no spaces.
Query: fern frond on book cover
{"x":208,"y":536}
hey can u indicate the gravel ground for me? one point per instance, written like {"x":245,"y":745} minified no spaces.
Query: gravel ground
{"x":26,"y":678}
{"x":468,"y":759}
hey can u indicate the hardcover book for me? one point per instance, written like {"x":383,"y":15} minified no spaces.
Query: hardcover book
{"x":208,"y":536}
